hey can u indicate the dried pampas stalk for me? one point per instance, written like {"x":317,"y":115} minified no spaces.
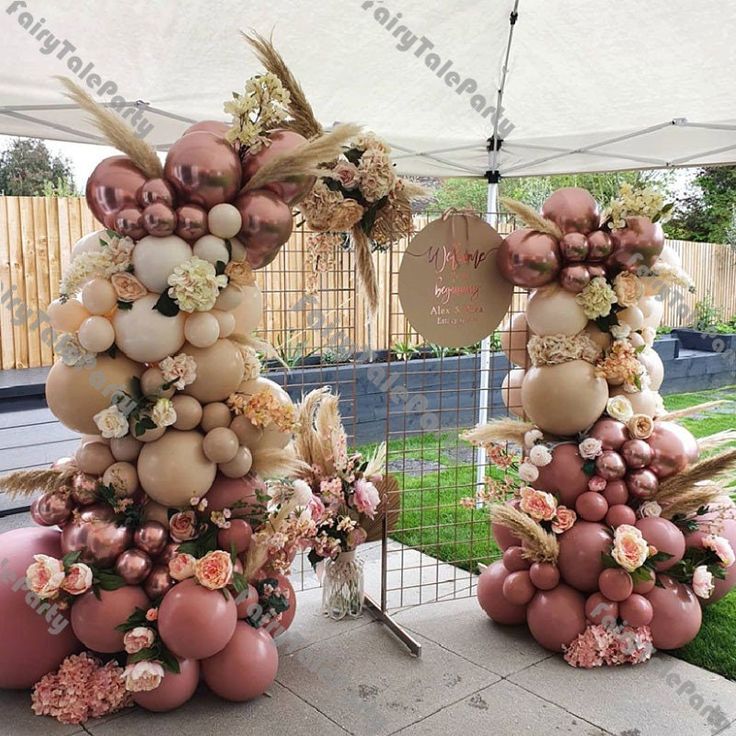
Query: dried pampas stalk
{"x":539,"y":545}
{"x":304,"y":121}
{"x":689,"y":501}
{"x":499,"y":430}
{"x":366,"y":270}
{"x":377,"y":463}
{"x":714,"y":441}
{"x":311,"y":446}
{"x":531,"y":218}
{"x":412,"y":191}
{"x":260,"y":346}
{"x":276,"y":463}
{"x":27,"y":482}
{"x":690,"y":410}
{"x":305,"y":159}
{"x":117,"y":132}
{"x":706,"y":470}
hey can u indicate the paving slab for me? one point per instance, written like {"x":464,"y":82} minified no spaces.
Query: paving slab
{"x":503,"y":708}
{"x":19,"y":720}
{"x":664,"y":697}
{"x":15,"y":521}
{"x":367,"y":682}
{"x":463,"y":628}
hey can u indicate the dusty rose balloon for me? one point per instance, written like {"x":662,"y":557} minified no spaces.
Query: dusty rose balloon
{"x":574,"y":278}
{"x":564,"y":476}
{"x":610,"y":432}
{"x":599,"y":610}
{"x":528,"y":258}
{"x":514,"y":560}
{"x":239,"y":535}
{"x":159,"y":220}
{"x":642,"y":587}
{"x":112,"y":186}
{"x":105,"y":542}
{"x":191,"y":222}
{"x":51,"y":509}
{"x":666,"y":537}
{"x":556,"y":617}
{"x":175,"y":689}
{"x":615,"y":584}
{"x":636,"y":453}
{"x":491,"y":598}
{"x":518,"y":588}
{"x":636,"y":610}
{"x":619,"y":514}
{"x":188,"y":608}
{"x":673,"y":447}
{"x":203,"y":168}
{"x":677,"y":614}
{"x":151,"y":537}
{"x":574,"y":247}
{"x":239,"y":494}
{"x":158,"y":583}
{"x":246,"y":602}
{"x":245,"y":668}
{"x":637,"y":245}
{"x":610,"y":465}
{"x":29,"y":648}
{"x":287,"y":617}
{"x":642,"y":484}
{"x":133,"y":566}
{"x":580,"y":560}
{"x":94,"y":619}
{"x":219,"y":371}
{"x":572,"y":209}
{"x":267,"y":224}
{"x":591,"y":506}
{"x":544,"y":575}
{"x":127,"y":222}
{"x":600,"y":245}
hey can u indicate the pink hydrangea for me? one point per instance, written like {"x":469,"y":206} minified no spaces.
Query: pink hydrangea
{"x":366,"y":497}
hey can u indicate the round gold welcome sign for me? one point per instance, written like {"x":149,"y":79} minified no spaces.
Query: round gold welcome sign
{"x":450,"y":289}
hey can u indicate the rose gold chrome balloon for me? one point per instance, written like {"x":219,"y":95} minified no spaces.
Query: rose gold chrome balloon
{"x":637,"y":245}
{"x":159,"y":219}
{"x":156,"y":190}
{"x":169,"y":552}
{"x":636,"y":453}
{"x":75,"y":532}
{"x":610,"y":432}
{"x":133,"y":566}
{"x":574,"y":278}
{"x":574,"y":247}
{"x":610,"y":465}
{"x":572,"y":209}
{"x":528,"y":258}
{"x":595,"y":270}
{"x":267,"y":224}
{"x":52,"y":508}
{"x":600,"y":245}
{"x":158,"y":583}
{"x":673,"y":448}
{"x":84,"y":489}
{"x":106,"y":541}
{"x":191,"y":222}
{"x":128,"y":222}
{"x":151,"y":537}
{"x":112,"y":186}
{"x":204,"y":169}
{"x":642,"y":484}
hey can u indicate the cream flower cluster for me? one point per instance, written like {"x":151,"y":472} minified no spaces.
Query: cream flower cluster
{"x":597,"y":298}
{"x":179,"y":370}
{"x":195,"y":285}
{"x":113,"y":257}
{"x":556,"y":349}
{"x":631,"y":202}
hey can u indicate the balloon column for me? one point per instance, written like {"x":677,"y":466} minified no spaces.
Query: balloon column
{"x":611,"y":539}
{"x":159,"y":542}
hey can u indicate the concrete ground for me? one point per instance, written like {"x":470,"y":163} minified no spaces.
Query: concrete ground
{"x":354,"y":677}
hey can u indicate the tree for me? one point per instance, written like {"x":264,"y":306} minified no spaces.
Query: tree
{"x":27,"y":168}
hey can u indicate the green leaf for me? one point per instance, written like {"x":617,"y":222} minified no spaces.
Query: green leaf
{"x":168,"y":660}
{"x":112,"y":351}
{"x":124,"y":305}
{"x":589,"y":467}
{"x":608,"y":561}
{"x":166,"y":305}
{"x":70,"y":558}
{"x":220,"y":267}
{"x":108,"y":580}
{"x":240,"y":582}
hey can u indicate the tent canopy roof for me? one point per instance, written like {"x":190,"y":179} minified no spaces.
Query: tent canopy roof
{"x":591,"y":85}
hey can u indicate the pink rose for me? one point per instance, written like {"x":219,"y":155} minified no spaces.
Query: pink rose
{"x":141,"y":637}
{"x":722,"y":547}
{"x":597,"y":483}
{"x":183,"y":526}
{"x":152,"y":614}
{"x":214,"y":570}
{"x":316,"y":508}
{"x":143,"y":676}
{"x":630,"y":549}
{"x":127,"y":287}
{"x":540,"y":505}
{"x":564,"y":519}
{"x":703,"y":585}
{"x":45,"y":576}
{"x":182,"y":566}
{"x":590,"y":448}
{"x":78,"y":579}
{"x":366,"y":497}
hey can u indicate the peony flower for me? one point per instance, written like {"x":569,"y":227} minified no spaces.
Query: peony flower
{"x":596,"y":298}
{"x":640,"y":426}
{"x":540,"y":505}
{"x":163,"y":413}
{"x":619,"y":407}
{"x":722,"y":547}
{"x":703,"y":584}
{"x":532,"y":437}
{"x":597,"y":483}
{"x":317,"y":508}
{"x":127,"y":287}
{"x":183,"y":526}
{"x":78,"y":579}
{"x":143,"y":676}
{"x":564,"y":519}
{"x":366,"y":497}
{"x":540,"y":456}
{"x":111,"y":422}
{"x":628,"y":288}
{"x":528,"y":472}
{"x":181,"y":566}
{"x":214,"y":570}
{"x":590,"y":448}
{"x":302,"y":493}
{"x":630,"y":549}
{"x":195,"y":285}
{"x":346,"y":173}
{"x":45,"y":576}
{"x":179,"y":371}
{"x":650,"y":509}
{"x":71,"y":352}
{"x":141,"y":637}
{"x":240,"y":273}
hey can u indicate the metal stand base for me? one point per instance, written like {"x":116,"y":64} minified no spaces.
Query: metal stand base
{"x":414,"y":647}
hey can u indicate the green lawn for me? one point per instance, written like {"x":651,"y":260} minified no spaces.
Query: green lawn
{"x":438,"y":471}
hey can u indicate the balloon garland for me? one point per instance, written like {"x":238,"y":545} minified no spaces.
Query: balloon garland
{"x":613,"y":531}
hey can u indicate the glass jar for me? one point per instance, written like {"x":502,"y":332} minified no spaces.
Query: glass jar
{"x":342,"y":587}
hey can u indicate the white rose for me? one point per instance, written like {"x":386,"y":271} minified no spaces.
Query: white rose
{"x":143,"y":676}
{"x":703,"y":585}
{"x":528,"y":472}
{"x":648,"y":334}
{"x":590,"y":448}
{"x":649,"y":509}
{"x":630,"y":549}
{"x":620,"y":332}
{"x":163,"y":413}
{"x":45,"y":576}
{"x":540,"y":456}
{"x":141,"y":637}
{"x":619,"y":407}
{"x":112,"y":423}
{"x":532,"y":437}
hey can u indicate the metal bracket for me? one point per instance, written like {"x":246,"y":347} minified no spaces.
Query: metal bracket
{"x":414,"y":647}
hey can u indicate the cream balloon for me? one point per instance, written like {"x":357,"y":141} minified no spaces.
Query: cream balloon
{"x":225,"y":322}
{"x":215,"y":415}
{"x":514,"y":336}
{"x":631,"y":316}
{"x":650,"y":359}
{"x":554,"y":311}
{"x":230,"y":298}
{"x":99,"y":297}
{"x":238,"y":251}
{"x":188,"y":412}
{"x":146,"y":335}
{"x":154,"y":260}
{"x":96,"y":334}
{"x":219,"y":371}
{"x":211,"y":248}
{"x":257,"y":438}
{"x":153,"y":511}
{"x":596,"y":334}
{"x":564,"y":399}
{"x":652,"y":310}
{"x":249,"y":313}
{"x":636,"y":340}
{"x":642,"y":402}
{"x":152,"y":383}
{"x":671,"y":257}
{"x":224,"y":220}
{"x":239,"y":466}
{"x":174,"y":469}
{"x":66,"y":316}
{"x":201,"y":329}
{"x":511,"y":391}
{"x":90,"y":243}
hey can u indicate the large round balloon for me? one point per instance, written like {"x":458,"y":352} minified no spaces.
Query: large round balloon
{"x":249,"y":313}
{"x":564,"y":399}
{"x":32,"y":645}
{"x":174,"y":469}
{"x":195,"y":622}
{"x":511,"y":391}
{"x":674,"y":449}
{"x":637,"y":245}
{"x":528,"y":258}
{"x":677,"y":614}
{"x":154,"y":260}
{"x":267,"y":224}
{"x":554,"y":311}
{"x":491,"y":598}
{"x":219,"y":371}
{"x":666,"y":537}
{"x":650,"y":359}
{"x":556,"y":617}
{"x":572,"y":209}
{"x":112,"y":186}
{"x":75,"y":394}
{"x":581,"y":548}
{"x":94,"y":619}
{"x":204,"y":169}
{"x":245,"y":668}
{"x":175,"y":689}
{"x":217,"y":127}
{"x":564,"y":476}
{"x":241,"y":495}
{"x":514,"y":335}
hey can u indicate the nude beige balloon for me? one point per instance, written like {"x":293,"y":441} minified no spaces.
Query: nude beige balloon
{"x":123,"y":477}
{"x":219,"y":371}
{"x":511,"y":391}
{"x":220,"y":445}
{"x":188,"y":412}
{"x":631,"y":316}
{"x":225,"y":322}
{"x":174,"y":468}
{"x":154,"y":260}
{"x":564,"y":399}
{"x":600,"y":338}
{"x":96,"y":334}
{"x":152,"y":382}
{"x":94,"y":458}
{"x":125,"y":449}
{"x":514,"y":336}
{"x":98,"y":296}
{"x":554,"y":311}
{"x":215,"y":415}
{"x":153,"y":511}
{"x":151,"y":435}
{"x":249,"y":312}
{"x":230,"y":297}
{"x":202,"y":329}
{"x":650,"y":359}
{"x":652,"y":310}
{"x":239,"y":466}
{"x":66,"y":316}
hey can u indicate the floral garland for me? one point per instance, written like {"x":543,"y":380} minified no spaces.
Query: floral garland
{"x":556,"y":349}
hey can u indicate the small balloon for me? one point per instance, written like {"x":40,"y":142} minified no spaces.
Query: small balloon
{"x":127,"y":222}
{"x":156,"y":190}
{"x":591,"y":506}
{"x":666,"y":537}
{"x":599,"y":610}
{"x":610,"y":432}
{"x":151,"y":537}
{"x":572,"y":209}
{"x":514,"y":560}
{"x":158,"y":583}
{"x":556,"y":617}
{"x":615,"y":584}
{"x":610,"y":465}
{"x":518,"y":588}
{"x":491,"y":598}
{"x":642,"y":484}
{"x":600,"y":245}
{"x":191,"y":222}
{"x":636,"y":453}
{"x":574,"y":247}
{"x":133,"y":566}
{"x":544,"y":575}
{"x":574,"y":278}
{"x":159,"y":220}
